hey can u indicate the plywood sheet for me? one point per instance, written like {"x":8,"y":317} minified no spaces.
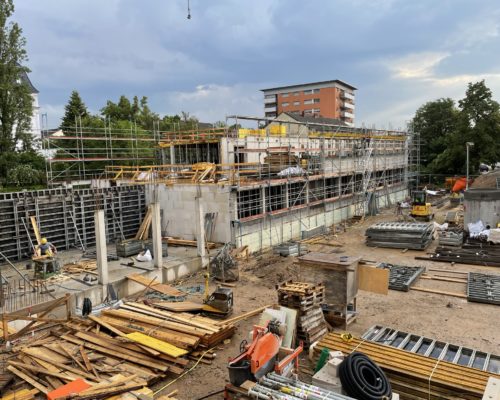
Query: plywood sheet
{"x":371,"y":279}
{"x":158,"y":287}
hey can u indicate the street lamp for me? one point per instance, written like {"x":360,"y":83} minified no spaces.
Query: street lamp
{"x":467,"y":145}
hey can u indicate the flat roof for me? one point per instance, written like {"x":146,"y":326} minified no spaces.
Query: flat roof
{"x":311,"y":84}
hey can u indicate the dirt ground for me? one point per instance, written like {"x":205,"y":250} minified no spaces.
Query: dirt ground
{"x":445,"y":318}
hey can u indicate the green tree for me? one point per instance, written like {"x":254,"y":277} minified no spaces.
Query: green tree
{"x":74,"y":110}
{"x":477,"y":120}
{"x":436,"y":122}
{"x":16,"y":103}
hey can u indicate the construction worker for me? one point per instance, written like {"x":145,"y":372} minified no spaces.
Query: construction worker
{"x":45,"y":248}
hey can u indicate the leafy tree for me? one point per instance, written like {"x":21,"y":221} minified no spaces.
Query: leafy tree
{"x":445,"y":129}
{"x":75,"y":109}
{"x":436,"y":122}
{"x":16,"y":103}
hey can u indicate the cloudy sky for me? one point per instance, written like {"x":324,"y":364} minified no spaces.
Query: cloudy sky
{"x":398,"y":53}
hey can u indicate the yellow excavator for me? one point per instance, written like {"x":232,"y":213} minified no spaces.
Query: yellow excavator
{"x":420,"y":209}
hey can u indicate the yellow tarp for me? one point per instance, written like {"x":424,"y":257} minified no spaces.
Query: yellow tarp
{"x":156,"y":344}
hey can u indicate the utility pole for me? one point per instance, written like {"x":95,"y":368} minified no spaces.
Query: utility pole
{"x":467,"y":145}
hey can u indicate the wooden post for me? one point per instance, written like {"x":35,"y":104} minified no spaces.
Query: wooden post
{"x":5,"y":327}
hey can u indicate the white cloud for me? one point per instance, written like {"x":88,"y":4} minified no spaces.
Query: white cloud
{"x":416,"y":65}
{"x":212,"y":102}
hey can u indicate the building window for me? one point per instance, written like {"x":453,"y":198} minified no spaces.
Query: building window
{"x":296,"y":103}
{"x":306,"y":92}
{"x":315,"y":110}
{"x":249,"y":203}
{"x":285,"y":104}
{"x":297,"y":193}
{"x":315,"y":91}
{"x":270,"y":96}
{"x":310,"y":101}
{"x":307,"y":112}
{"x":296,"y":93}
{"x":316,"y":101}
{"x":285,"y":94}
{"x":275,"y":198}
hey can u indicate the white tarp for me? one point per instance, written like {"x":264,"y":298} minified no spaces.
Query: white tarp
{"x":291,"y":171}
{"x":475,"y":228}
{"x":146,"y":256}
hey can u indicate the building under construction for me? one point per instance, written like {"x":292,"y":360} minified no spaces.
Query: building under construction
{"x":283,"y":180}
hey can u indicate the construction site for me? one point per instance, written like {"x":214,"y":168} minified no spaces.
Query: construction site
{"x":281,"y":260}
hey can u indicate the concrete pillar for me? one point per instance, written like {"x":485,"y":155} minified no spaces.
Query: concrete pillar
{"x":172,"y":155}
{"x":200,"y":231}
{"x":101,"y":250}
{"x":156,"y":227}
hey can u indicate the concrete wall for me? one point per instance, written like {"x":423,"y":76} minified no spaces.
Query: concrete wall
{"x":273,"y":230}
{"x":179,"y":209}
{"x":482,"y":204}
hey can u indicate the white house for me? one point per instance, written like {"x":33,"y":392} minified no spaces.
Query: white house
{"x":36,"y":130}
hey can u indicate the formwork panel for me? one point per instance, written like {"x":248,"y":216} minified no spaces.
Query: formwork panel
{"x":66,"y":217}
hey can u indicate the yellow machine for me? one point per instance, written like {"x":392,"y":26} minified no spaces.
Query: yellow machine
{"x":420,"y":209}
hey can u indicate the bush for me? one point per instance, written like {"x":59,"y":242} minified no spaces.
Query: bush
{"x":24,"y":176}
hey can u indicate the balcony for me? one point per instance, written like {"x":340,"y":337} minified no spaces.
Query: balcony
{"x":346,"y":95}
{"x":270,"y":100}
{"x":348,"y":105}
{"x":347,"y":114}
{"x":270,"y":107}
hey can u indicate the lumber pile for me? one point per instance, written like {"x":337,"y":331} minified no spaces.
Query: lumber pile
{"x":185,"y":242}
{"x":143,"y":232}
{"x":203,"y":172}
{"x":279,"y":159}
{"x":187,"y":331}
{"x":121,"y":351}
{"x":84,"y":266}
{"x":306,"y":298}
{"x":109,"y":361}
{"x":415,"y":376}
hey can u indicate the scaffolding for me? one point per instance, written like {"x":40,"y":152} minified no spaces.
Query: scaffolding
{"x":80,"y":154}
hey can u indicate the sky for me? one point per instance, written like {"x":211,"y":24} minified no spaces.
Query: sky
{"x":398,"y":53}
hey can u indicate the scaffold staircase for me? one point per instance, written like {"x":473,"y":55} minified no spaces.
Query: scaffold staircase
{"x":364,"y":166}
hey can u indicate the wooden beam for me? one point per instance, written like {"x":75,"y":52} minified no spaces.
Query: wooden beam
{"x":28,"y":379}
{"x":453,"y":294}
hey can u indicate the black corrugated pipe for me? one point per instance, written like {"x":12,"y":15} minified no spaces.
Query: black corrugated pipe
{"x":363,"y":379}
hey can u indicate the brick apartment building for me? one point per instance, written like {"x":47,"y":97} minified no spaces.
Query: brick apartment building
{"x":329,"y":99}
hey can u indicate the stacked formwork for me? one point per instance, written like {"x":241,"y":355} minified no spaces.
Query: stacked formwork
{"x":66,"y":217}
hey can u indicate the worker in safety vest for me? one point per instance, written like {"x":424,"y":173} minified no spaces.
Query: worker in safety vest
{"x":45,"y":248}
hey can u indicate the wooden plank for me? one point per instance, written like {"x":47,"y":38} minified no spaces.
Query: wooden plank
{"x":161,"y":322}
{"x":159,"y":287}
{"x":179,"y":306}
{"x":161,"y":346}
{"x":375,"y":280}
{"x":443,"y":279}
{"x":35,"y":229}
{"x":28,"y":379}
{"x":48,"y":308}
{"x":43,"y":371}
{"x":453,"y":294}
{"x":183,"y":341}
{"x":119,"y":333}
{"x":59,"y":365}
{"x":245,"y":315}
{"x":23,"y":394}
{"x":100,"y":346}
